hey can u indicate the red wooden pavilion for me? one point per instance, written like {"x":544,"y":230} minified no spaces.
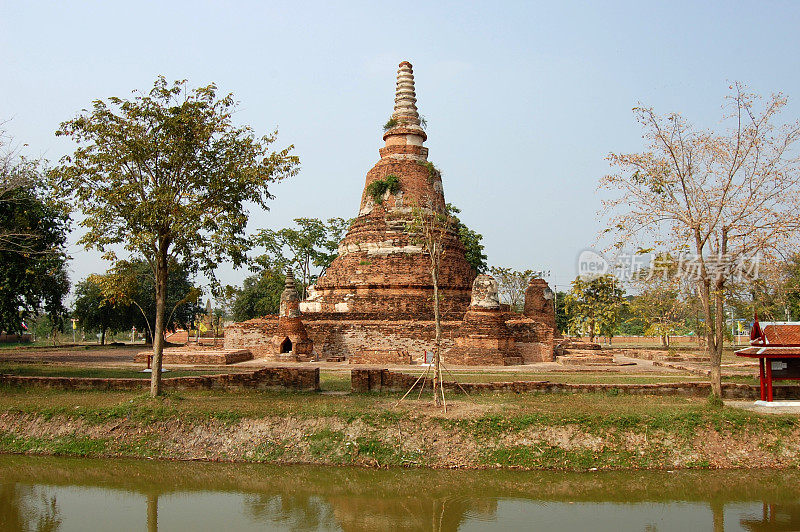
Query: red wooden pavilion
{"x":776,"y":345}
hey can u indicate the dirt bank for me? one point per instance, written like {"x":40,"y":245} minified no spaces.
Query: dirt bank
{"x":469,"y":436}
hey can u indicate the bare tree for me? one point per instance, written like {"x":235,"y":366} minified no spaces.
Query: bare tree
{"x":728,"y":197}
{"x":429,"y":229}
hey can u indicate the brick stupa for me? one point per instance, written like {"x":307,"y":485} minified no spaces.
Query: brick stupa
{"x":374,"y":304}
{"x":380,"y":272}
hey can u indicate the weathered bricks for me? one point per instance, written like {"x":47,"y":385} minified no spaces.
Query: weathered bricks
{"x":383,"y":380}
{"x":291,"y":378}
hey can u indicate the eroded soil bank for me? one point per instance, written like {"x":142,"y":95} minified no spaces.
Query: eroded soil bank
{"x":579,"y":432}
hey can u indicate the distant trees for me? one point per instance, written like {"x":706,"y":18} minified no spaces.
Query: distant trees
{"x":512,"y":285}
{"x":129,"y":286}
{"x":308,"y":249}
{"x":96,"y":312}
{"x":593,"y":305}
{"x":260,"y":295}
{"x":33,"y":233}
{"x":730,"y":198}
{"x":167,"y":175}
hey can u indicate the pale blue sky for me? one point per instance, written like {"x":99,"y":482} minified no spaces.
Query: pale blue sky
{"x":523,"y":100}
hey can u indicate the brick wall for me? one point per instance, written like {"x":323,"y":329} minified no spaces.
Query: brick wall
{"x":292,"y":378}
{"x":383,"y":380}
{"x":333,"y":336}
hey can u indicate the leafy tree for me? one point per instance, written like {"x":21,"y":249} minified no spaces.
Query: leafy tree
{"x":96,"y":311}
{"x":562,"y":318}
{"x":167,"y":175}
{"x":512,"y":285}
{"x":308,"y":250}
{"x":33,"y":232}
{"x":130,"y":284}
{"x":659,"y":305}
{"x":259,"y":296}
{"x":471,"y":241}
{"x":594,"y":305}
{"x":728,"y":196}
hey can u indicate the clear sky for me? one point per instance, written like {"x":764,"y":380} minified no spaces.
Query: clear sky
{"x":523,"y":100}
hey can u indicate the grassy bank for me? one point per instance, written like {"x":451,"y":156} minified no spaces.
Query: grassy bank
{"x":570,"y":432}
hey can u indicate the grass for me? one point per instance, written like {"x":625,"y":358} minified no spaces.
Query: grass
{"x":369,"y":429}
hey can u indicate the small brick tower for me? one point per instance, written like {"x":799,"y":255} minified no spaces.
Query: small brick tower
{"x":291,"y":340}
{"x":379,"y":271}
{"x":539,"y":302}
{"x":484,"y":338}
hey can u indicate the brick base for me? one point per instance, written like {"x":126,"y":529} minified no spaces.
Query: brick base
{"x":213,"y":357}
{"x":292,"y":378}
{"x":383,"y":380}
{"x":381,"y":356}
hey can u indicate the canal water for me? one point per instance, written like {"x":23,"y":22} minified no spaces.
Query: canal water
{"x":39,"y":493}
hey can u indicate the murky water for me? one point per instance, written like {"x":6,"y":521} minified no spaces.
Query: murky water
{"x":73,"y":494}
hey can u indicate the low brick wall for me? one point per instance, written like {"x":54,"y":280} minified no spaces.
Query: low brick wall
{"x":383,"y":380}
{"x":292,"y":378}
{"x":13,"y":338}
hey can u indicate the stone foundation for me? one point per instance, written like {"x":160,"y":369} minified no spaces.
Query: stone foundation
{"x":197,"y":356}
{"x":292,"y":378}
{"x":383,"y":380}
{"x":381,"y":356}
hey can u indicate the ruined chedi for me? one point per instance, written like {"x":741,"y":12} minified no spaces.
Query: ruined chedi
{"x":380,"y":272}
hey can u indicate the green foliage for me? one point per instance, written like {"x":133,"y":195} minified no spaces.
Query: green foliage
{"x":33,"y":233}
{"x":469,"y":238}
{"x":168,"y":172}
{"x":96,"y":312}
{"x":512,"y":285}
{"x":594,"y":305}
{"x":168,"y":176}
{"x":562,"y":318}
{"x":259,"y":296}
{"x":130,"y":285}
{"x":378,"y":188}
{"x":434,"y":174}
{"x":308,"y":250}
{"x":392,"y":122}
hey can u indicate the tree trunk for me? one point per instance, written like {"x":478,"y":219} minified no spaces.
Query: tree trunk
{"x":158,"y":335}
{"x":716,"y":354}
{"x":103,"y":335}
{"x":437,"y":369}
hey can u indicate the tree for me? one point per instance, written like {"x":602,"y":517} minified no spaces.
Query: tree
{"x":660,"y":309}
{"x":594,"y":305}
{"x":130,"y":285}
{"x":33,"y":233}
{"x":660,"y":304}
{"x":428,"y":229}
{"x":512,"y":285}
{"x":308,"y":250}
{"x":168,"y":175}
{"x":728,"y":197}
{"x":260,"y":295}
{"x":471,"y":241}
{"x":562,"y":318}
{"x":96,"y":311}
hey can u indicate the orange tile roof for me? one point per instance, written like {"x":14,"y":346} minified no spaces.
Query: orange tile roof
{"x":784,"y":334}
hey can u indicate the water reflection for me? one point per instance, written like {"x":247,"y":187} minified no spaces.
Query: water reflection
{"x":71,"y":494}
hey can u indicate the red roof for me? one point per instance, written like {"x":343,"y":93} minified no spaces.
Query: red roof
{"x":782,"y":333}
{"x":769,"y":352}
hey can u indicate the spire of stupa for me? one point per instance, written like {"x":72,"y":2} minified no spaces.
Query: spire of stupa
{"x":405,"y":100}
{"x":405,"y":114}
